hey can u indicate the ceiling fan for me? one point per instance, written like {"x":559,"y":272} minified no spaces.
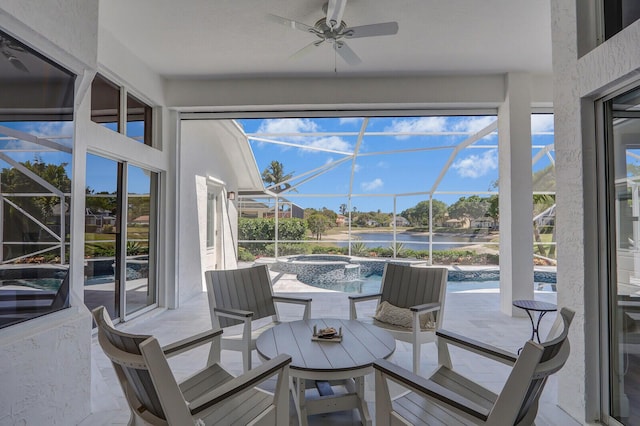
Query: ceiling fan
{"x":6,"y":47}
{"x":333,"y":30}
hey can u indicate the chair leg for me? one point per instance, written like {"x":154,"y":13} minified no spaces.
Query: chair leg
{"x":383,"y":400}
{"x":246,"y":359}
{"x":444,"y":358}
{"x":416,"y":357}
{"x":214,"y":352}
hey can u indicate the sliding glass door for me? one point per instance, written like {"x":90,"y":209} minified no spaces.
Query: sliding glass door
{"x":120,"y":237}
{"x":140,"y":239}
{"x":621,"y":291}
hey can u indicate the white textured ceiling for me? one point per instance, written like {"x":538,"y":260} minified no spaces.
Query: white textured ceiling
{"x":235,"y":38}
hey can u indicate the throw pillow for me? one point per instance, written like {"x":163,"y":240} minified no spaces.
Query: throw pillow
{"x":402,"y":317}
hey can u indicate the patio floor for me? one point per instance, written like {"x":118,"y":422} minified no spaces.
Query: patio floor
{"x":474,"y":313}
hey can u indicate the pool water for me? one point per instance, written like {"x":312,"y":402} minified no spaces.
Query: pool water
{"x":371,"y":284}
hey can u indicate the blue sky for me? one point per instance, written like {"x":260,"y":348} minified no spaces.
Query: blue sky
{"x":377,"y":170}
{"x":101,"y":172}
{"x":323,"y":141}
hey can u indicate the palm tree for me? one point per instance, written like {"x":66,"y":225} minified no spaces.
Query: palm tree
{"x":274,"y":175}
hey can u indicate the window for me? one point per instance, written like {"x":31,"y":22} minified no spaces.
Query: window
{"x":211,"y":219}
{"x":138,"y":120}
{"x":105,"y":103}
{"x":35,"y":183}
{"x":619,"y":14}
{"x":106,"y":109}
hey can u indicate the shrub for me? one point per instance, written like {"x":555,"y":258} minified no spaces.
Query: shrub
{"x":285,"y":249}
{"x":359,"y":249}
{"x":265,"y":229}
{"x":244,"y":255}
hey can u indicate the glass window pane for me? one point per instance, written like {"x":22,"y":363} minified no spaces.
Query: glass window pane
{"x":211,"y":218}
{"x":101,"y":228}
{"x":624,"y":291}
{"x":141,"y":231}
{"x":138,"y":120}
{"x":619,"y":14}
{"x":36,"y":144}
{"x":105,"y":103}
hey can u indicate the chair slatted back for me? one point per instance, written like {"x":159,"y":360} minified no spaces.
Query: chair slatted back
{"x":406,"y":286}
{"x":554,"y":356}
{"x":535,"y":363}
{"x":133,"y":369}
{"x":248,"y":289}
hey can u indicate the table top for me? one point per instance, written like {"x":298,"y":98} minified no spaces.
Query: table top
{"x":534,"y":305}
{"x":361,"y":345}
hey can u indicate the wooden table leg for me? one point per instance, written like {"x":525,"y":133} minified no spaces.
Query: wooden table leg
{"x":356,"y":386}
{"x":298,"y":388}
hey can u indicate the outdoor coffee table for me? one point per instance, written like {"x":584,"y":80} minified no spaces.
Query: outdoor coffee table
{"x":329,"y":364}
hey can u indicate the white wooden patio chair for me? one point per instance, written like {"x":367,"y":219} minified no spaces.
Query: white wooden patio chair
{"x":448,"y":398}
{"x":209,"y":397}
{"x":419,"y":293}
{"x":244,"y":296}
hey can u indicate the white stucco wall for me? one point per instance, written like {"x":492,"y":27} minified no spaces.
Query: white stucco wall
{"x":578,"y":82}
{"x":348,"y":93}
{"x":46,"y":370}
{"x":203,"y":153}
{"x":570,"y":202}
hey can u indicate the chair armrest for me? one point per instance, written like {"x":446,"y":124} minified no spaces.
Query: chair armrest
{"x":477,"y":347}
{"x":306,"y":301}
{"x":430,"y":390}
{"x":289,"y":299}
{"x":427,"y":307}
{"x":240,"y":383}
{"x":189,"y":343}
{"x":233,"y":313}
{"x":353,"y":313}
{"x":362,"y":297}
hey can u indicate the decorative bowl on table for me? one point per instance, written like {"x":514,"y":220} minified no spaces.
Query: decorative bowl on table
{"x":327,"y":333}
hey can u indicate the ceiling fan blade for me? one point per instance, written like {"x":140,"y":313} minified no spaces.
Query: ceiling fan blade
{"x":346,"y":53}
{"x":15,"y":61}
{"x":289,"y":23}
{"x":373,"y":30}
{"x":306,"y":50}
{"x":335,"y":10}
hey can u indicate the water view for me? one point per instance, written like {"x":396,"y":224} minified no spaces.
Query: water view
{"x":415,"y":241}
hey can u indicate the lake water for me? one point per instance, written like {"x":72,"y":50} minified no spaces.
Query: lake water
{"x":415,"y":241}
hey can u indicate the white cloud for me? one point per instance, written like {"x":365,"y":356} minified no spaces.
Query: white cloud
{"x":475,"y":166}
{"x":288,"y":125}
{"x":372,"y":185}
{"x":473,"y":124}
{"x":420,"y":124}
{"x":302,"y":125}
{"x":541,"y":123}
{"x":382,"y":165}
{"x":349,"y":120}
{"x":57,"y":128}
{"x":357,"y":168}
{"x":331,"y":142}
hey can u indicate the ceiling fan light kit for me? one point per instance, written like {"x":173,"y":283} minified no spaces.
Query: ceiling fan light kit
{"x":333,"y":30}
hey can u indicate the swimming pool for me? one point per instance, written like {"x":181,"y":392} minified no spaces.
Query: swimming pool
{"x":371,"y":284}
{"x":352,"y":274}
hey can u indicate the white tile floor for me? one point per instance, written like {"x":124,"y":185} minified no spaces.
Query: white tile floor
{"x":474,"y":313}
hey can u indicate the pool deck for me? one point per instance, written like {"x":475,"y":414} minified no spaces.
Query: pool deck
{"x":473,"y":313}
